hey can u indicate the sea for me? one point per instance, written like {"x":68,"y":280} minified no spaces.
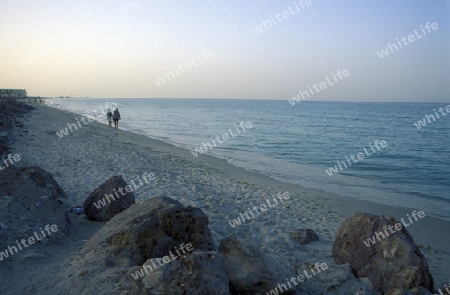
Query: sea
{"x":299,"y":144}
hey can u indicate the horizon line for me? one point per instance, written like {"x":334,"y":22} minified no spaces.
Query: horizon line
{"x":243,"y":99}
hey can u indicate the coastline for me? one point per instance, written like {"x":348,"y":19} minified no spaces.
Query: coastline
{"x":299,"y":162}
{"x":88,"y":156}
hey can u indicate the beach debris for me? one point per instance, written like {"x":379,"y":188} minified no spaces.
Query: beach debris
{"x":78,"y":210}
{"x":305,"y":236}
{"x":109,"y":199}
{"x":246,"y":268}
{"x":393,"y":262}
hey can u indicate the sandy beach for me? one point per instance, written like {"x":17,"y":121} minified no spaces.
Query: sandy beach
{"x":87,"y":157}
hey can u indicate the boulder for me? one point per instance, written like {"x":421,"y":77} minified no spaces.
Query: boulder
{"x":30,"y":199}
{"x":191,"y":274}
{"x":46,"y":181}
{"x":245,"y":267}
{"x":109,"y":199}
{"x":393,"y":262}
{"x":125,"y":255}
{"x":304,"y":236}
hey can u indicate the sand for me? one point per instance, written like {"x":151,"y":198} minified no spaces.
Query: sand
{"x":87,"y":157}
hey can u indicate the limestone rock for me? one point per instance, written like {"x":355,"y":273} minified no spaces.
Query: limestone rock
{"x":191,"y":274}
{"x":394,"y":262}
{"x":245,"y":267}
{"x":113,"y":260}
{"x":108,"y":200}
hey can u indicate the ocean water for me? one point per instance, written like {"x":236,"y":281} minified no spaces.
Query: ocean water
{"x":297,"y":144}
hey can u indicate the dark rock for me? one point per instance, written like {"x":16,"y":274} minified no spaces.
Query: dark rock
{"x":23,"y":182}
{"x":394,"y":262}
{"x":191,"y":274}
{"x":246,"y":268}
{"x":304,"y":236}
{"x":29,"y":200}
{"x":45,"y":180}
{"x":98,"y":207}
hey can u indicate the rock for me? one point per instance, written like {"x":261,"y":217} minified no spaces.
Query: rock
{"x":45,"y":180}
{"x":30,"y":199}
{"x":394,"y":262}
{"x":335,"y":280}
{"x":245,"y":267}
{"x":142,"y":235}
{"x":304,"y":236}
{"x":415,"y":291}
{"x":108,"y":200}
{"x":153,"y":229}
{"x":191,"y":274}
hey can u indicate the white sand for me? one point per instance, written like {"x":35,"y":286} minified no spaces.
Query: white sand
{"x":87,"y":157}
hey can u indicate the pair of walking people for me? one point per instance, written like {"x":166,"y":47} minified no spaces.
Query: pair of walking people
{"x":113,"y":117}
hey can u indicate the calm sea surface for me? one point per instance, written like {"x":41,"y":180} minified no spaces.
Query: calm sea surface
{"x":298,"y":143}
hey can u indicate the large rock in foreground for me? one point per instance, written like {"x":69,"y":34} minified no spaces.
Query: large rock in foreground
{"x":109,"y":199}
{"x":155,"y":247}
{"x":393,"y":262}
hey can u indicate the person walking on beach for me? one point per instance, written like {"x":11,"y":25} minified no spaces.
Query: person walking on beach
{"x":109,"y":116}
{"x":116,"y":118}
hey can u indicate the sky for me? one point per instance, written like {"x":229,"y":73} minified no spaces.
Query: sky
{"x":211,"y":49}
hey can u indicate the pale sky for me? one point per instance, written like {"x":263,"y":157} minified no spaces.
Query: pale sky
{"x":118,"y":48}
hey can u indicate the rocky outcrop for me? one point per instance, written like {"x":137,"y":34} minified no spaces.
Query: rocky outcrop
{"x":197,"y":273}
{"x":109,"y":199}
{"x":10,"y":112}
{"x":155,"y":247}
{"x":305,"y":236}
{"x":30,"y":199}
{"x":45,"y":180}
{"x":246,"y":268}
{"x":393,"y":262}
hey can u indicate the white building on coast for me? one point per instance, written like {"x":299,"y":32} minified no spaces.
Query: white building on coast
{"x":13,"y":93}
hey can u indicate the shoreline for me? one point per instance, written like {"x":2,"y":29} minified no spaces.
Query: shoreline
{"x":376,"y":194}
{"x":337,"y":190}
{"x":85,"y":158}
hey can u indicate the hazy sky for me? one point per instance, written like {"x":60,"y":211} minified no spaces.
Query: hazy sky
{"x":118,"y":48}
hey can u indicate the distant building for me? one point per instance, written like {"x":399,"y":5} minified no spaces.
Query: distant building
{"x":10,"y":93}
